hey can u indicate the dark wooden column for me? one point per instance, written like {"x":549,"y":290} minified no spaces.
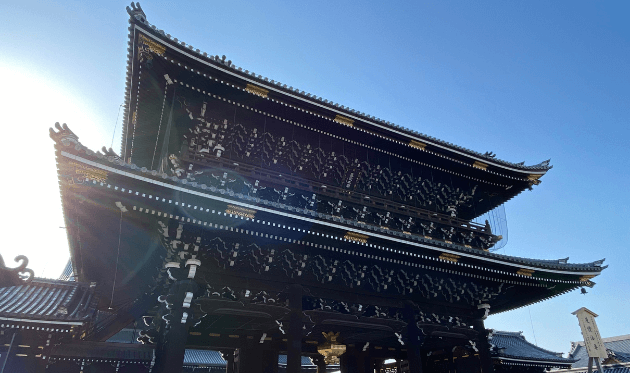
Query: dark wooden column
{"x":228,"y":356}
{"x":294,"y":331}
{"x":320,"y":363}
{"x":364,"y":362}
{"x":415,"y":340}
{"x":249,"y":358}
{"x":348,"y":362}
{"x":169,"y":352}
{"x":176,"y":316}
{"x":377,"y":363}
{"x":482,"y":341}
{"x":270,"y":361}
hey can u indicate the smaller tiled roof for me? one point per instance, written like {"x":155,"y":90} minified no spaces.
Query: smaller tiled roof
{"x":617,"y":347}
{"x":203,"y":357}
{"x":512,"y":346}
{"x":45,"y":300}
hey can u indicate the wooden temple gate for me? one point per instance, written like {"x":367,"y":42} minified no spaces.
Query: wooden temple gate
{"x":255,"y":219}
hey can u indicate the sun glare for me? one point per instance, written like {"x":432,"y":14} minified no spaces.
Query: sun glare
{"x":34,"y":224}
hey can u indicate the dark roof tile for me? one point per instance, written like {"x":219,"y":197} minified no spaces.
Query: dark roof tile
{"x":514,"y":345}
{"x":50,"y":300}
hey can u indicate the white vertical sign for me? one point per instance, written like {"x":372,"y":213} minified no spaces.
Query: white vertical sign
{"x":592,"y":340}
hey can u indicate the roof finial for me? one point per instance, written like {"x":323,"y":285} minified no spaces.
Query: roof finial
{"x":136,"y":12}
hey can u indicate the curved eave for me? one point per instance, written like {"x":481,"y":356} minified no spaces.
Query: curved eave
{"x":545,"y":267}
{"x":137,"y":23}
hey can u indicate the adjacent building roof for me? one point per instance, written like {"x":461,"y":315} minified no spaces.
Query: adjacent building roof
{"x":512,"y":348}
{"x":48,"y":302}
{"x":618,"y":349}
{"x":203,"y":357}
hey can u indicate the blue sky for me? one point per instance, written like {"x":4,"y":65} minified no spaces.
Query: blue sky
{"x":528,"y":80}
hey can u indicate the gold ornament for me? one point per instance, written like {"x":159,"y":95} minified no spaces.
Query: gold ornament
{"x":331,"y":350}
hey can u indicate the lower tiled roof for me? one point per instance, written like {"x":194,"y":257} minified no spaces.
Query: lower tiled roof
{"x":48,"y":300}
{"x":514,"y":347}
{"x":203,"y":357}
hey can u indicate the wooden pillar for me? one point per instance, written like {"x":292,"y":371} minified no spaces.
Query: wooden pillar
{"x":364,"y":362}
{"x":377,"y":364}
{"x":270,"y":361}
{"x":415,"y":340}
{"x":176,"y":318}
{"x":249,"y":358}
{"x":348,"y":362}
{"x":228,"y":356}
{"x":170,"y":354}
{"x":483,"y":346}
{"x":294,"y":331}
{"x":320,"y":363}
{"x":451,"y":360}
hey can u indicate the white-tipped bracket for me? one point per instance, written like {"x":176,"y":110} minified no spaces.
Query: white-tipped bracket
{"x":399,"y":336}
{"x":121,"y":207}
{"x":193,"y":263}
{"x":486,"y":307}
{"x":188,"y":299}
{"x":473,"y":344}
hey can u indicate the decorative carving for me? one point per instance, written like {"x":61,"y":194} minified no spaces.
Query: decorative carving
{"x":240,"y":211}
{"x":343,"y":120}
{"x":417,"y":144}
{"x":480,"y":165}
{"x":148,"y":47}
{"x":240,"y":255}
{"x":525,"y":272}
{"x":293,"y":152}
{"x":90,"y":172}
{"x":331,"y":349}
{"x":349,"y":212}
{"x":15,"y":276}
{"x":449,"y":257}
{"x":534,"y":179}
{"x":258,"y":91}
{"x":352,"y":236}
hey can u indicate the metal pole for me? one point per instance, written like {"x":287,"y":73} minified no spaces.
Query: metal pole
{"x":8,"y":354}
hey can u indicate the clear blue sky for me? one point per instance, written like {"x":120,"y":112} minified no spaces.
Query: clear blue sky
{"x":528,"y":80}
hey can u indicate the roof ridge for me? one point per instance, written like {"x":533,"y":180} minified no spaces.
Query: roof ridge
{"x":137,"y":15}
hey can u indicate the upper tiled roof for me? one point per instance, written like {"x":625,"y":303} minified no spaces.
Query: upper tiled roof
{"x":617,"y":347}
{"x":138,"y":16}
{"x":513,"y":345}
{"x":48,"y":300}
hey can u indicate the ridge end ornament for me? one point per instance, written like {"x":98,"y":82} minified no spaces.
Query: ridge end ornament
{"x":331,"y":349}
{"x":15,"y":276}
